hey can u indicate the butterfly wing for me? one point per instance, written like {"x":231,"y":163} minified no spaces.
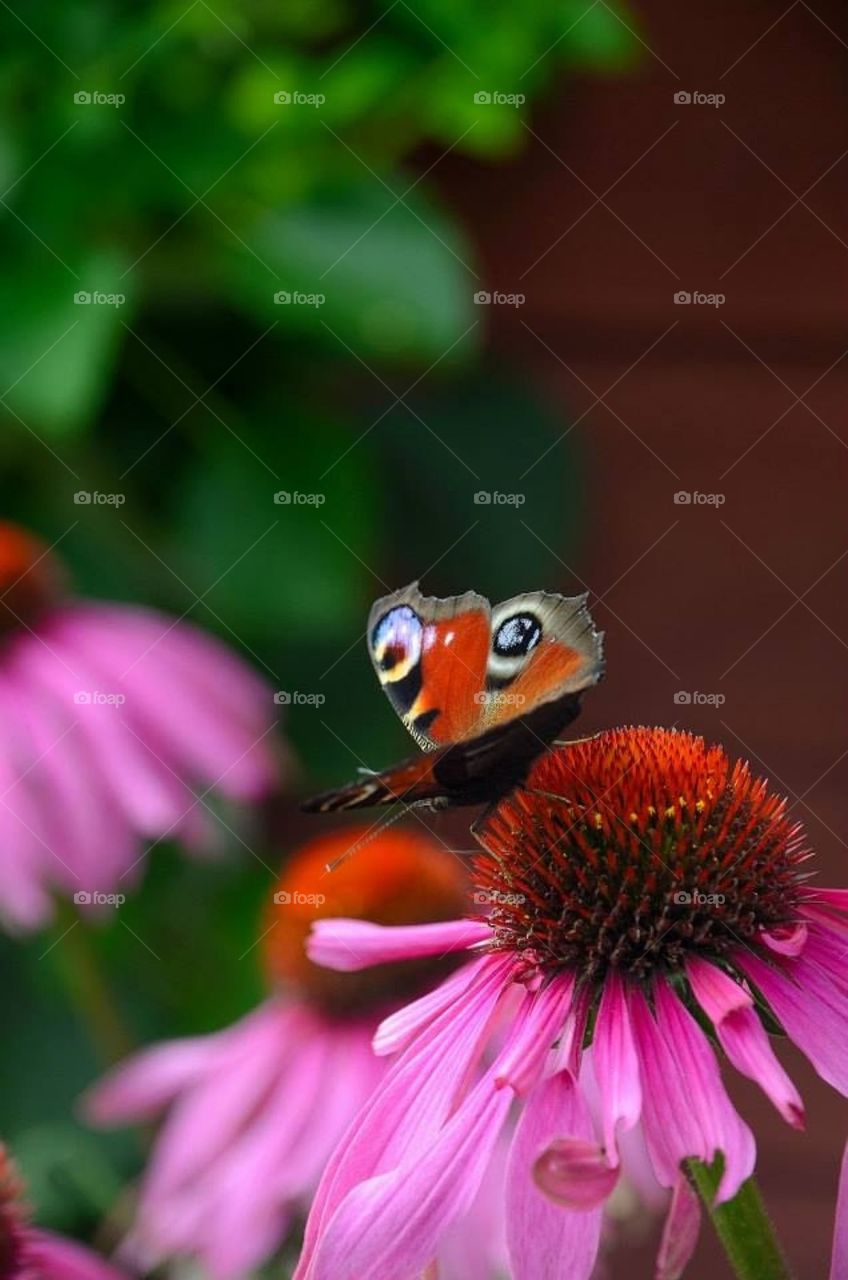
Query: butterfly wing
{"x":431,"y":656}
{"x":544,"y":649}
{"x":410,"y":783}
{"x":483,"y":691}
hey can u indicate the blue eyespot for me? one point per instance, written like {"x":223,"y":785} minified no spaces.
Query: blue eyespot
{"x":396,"y":641}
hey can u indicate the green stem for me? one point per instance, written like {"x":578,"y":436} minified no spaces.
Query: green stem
{"x":89,"y":989}
{"x":742,"y":1224}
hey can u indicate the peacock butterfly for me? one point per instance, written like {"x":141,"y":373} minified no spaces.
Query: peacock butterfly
{"x":484,"y":691}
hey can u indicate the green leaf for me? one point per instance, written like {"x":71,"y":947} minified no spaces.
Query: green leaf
{"x":458,"y":106}
{"x":68,"y":1172}
{"x":59,"y":334}
{"x":600,"y":38}
{"x":367,"y":80}
{"x":389,"y":278}
{"x":290,"y":572}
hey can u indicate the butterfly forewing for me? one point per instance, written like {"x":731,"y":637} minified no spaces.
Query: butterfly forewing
{"x":430,"y":656}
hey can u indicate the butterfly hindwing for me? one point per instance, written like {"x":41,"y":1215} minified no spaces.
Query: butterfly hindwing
{"x":544,"y":646}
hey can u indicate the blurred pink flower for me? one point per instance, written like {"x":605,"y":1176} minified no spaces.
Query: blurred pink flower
{"x":254,"y":1111}
{"x":111,"y":715}
{"x":640,"y":885}
{"x":27,"y":1253}
{"x":253,"y":1114}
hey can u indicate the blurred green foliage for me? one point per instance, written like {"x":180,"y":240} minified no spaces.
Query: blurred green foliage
{"x":199,"y":205}
{"x":201,"y":189}
{"x":196,"y":199}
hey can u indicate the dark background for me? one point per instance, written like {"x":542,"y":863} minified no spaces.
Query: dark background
{"x":597,"y":400}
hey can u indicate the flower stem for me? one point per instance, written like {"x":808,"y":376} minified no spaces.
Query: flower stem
{"x":89,"y":989}
{"x":742,"y":1224}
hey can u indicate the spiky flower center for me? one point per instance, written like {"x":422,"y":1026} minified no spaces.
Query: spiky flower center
{"x":397,"y":877}
{"x":30,"y":578}
{"x":633,"y":849}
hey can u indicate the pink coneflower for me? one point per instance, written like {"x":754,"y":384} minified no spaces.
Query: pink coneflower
{"x":254,"y":1111}
{"x":645,"y":891}
{"x":110,"y":714}
{"x":27,"y":1253}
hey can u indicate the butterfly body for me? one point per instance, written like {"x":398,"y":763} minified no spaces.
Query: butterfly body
{"x":483,"y":690}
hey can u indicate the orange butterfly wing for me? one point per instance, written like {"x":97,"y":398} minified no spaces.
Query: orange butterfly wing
{"x":526,"y":672}
{"x":430,"y":656}
{"x":483,"y":691}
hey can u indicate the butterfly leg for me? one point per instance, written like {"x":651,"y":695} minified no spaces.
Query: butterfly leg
{"x":480,"y":821}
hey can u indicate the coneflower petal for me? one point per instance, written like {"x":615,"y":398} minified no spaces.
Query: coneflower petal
{"x":540,"y":1020}
{"x":837,"y":899}
{"x":177,"y":693}
{"x":391,"y":1224}
{"x":743,"y":1037}
{"x":139,"y":1088}
{"x":785,"y":940}
{"x":686,"y":1110}
{"x":812,"y":1010}
{"x":575,"y":1173}
{"x":60,"y":1259}
{"x":350,"y":945}
{"x":616,"y":1063}
{"x":541,"y":1234}
{"x":680,"y":1232}
{"x":414,"y":1101}
{"x":399,"y":1029}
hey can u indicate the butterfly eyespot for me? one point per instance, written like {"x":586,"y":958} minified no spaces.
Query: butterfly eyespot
{"x":392,"y":655}
{"x":517,"y":636}
{"x":396,"y":642}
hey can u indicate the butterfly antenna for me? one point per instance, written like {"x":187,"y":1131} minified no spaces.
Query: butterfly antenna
{"x":548,"y":795}
{"x":367,"y":837}
{"x":575,"y":742}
